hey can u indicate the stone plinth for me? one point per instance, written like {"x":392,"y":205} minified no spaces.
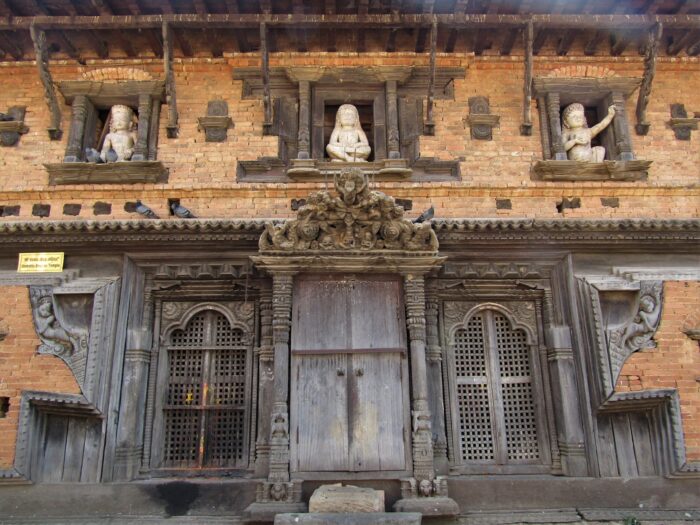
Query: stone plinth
{"x":336,"y":518}
{"x":346,"y":499}
{"x":432,"y":507}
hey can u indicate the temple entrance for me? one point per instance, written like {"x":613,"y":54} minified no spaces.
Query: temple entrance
{"x":349,"y":375}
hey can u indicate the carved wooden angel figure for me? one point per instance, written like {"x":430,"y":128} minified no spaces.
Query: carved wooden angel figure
{"x":638,"y":334}
{"x":577,"y":135}
{"x":348,"y":142}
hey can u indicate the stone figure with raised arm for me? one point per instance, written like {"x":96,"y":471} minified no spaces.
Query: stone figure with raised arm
{"x":577,"y":135}
{"x":121,"y":137}
{"x":348,"y":141}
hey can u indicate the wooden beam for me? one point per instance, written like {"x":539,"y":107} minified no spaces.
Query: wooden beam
{"x":215,"y":42}
{"x":361,"y":40}
{"x":391,"y":41}
{"x":98,"y":44}
{"x":459,"y":9}
{"x":154,"y":41}
{"x":9,"y":45}
{"x":6,"y":10}
{"x":200,"y":7}
{"x":329,"y":8}
{"x":266,"y":6}
{"x":182,"y":42}
{"x":653,"y":40}
{"x":677,"y":45}
{"x":64,"y":41}
{"x":509,"y":41}
{"x":528,"y":41}
{"x":620,"y":42}
{"x":467,"y":21}
{"x":592,"y":44}
{"x":429,"y":124}
{"x":101,"y":7}
{"x":565,"y":41}
{"x":170,"y":92}
{"x":123,"y":43}
{"x":42,"y":62}
{"x":481,"y":41}
{"x":267,"y":97}
{"x":694,"y":48}
{"x":362,"y":7}
{"x":686,"y":5}
{"x":540,"y":38}
{"x":422,"y":33}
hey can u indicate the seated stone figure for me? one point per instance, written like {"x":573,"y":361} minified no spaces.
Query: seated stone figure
{"x":577,"y":136}
{"x":121,"y":137}
{"x":348,"y":142}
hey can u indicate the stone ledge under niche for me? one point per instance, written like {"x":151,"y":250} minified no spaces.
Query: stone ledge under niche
{"x":577,"y":171}
{"x":315,"y":170}
{"x":129,"y":172}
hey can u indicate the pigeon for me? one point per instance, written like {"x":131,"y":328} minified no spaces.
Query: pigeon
{"x":181,"y":211}
{"x":5,"y":117}
{"x":92,"y":155}
{"x":426,"y":215}
{"x":144,"y":210}
{"x":111,"y":155}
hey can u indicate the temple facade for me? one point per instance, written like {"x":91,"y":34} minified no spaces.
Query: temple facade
{"x":444,"y":250}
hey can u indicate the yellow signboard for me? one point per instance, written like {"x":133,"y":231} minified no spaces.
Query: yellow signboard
{"x":40,"y":262}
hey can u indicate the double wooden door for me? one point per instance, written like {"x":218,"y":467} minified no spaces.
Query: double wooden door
{"x":349,"y":375}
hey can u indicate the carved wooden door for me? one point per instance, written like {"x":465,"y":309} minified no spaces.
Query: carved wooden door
{"x":348,"y":375}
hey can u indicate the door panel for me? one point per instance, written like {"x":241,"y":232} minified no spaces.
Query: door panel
{"x":378,"y":413}
{"x":375,"y":314}
{"x":321,"y":415}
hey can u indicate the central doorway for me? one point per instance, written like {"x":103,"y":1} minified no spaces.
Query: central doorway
{"x":349,"y":375}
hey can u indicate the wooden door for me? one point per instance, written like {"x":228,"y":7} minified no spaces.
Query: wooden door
{"x":348,"y":370}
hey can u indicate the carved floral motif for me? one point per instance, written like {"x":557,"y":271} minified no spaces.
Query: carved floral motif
{"x":359,"y":219}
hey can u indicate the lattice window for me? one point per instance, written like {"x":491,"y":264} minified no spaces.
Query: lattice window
{"x":205,"y":412}
{"x":494,"y":393}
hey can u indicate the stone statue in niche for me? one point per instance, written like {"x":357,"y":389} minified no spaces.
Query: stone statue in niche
{"x":348,"y":141}
{"x":119,"y":142}
{"x":357,"y":219}
{"x":577,"y":135}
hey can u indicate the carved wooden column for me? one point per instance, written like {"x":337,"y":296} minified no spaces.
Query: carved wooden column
{"x":560,"y":355}
{"x":422,"y":439}
{"x":279,"y":422}
{"x":304,"y":136}
{"x":622,"y":135}
{"x":135,"y":379}
{"x":553,"y":108}
{"x":266,"y":357}
{"x":74,"y":149}
{"x":392,"y":117}
{"x":435,"y":388}
{"x":141,"y":147}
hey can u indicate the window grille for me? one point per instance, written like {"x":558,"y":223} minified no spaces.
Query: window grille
{"x":206,"y":398}
{"x":494,"y":395}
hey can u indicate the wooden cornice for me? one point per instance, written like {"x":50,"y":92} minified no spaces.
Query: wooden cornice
{"x":453,"y":21}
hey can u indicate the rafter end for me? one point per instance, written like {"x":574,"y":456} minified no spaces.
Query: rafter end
{"x":526,"y":130}
{"x":55,"y":133}
{"x":642,"y":129}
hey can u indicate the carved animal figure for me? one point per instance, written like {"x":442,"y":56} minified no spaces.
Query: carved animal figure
{"x":348,"y":142}
{"x":47,"y":326}
{"x":577,"y":135}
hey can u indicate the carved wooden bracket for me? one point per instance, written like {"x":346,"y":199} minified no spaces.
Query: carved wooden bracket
{"x":42,"y":62}
{"x":528,"y":36}
{"x":170,"y":94}
{"x":652,"y":50}
{"x":681,"y":124}
{"x":217,"y":122}
{"x":480,"y":119}
{"x":11,"y":129}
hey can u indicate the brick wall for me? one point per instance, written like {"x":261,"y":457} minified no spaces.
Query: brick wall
{"x":675,"y":363}
{"x":203,"y":174}
{"x":21,"y":368}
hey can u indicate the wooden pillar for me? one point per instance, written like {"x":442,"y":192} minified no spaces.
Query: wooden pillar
{"x":141,"y":147}
{"x":422,"y":439}
{"x":279,"y":422}
{"x":392,"y":117}
{"x":153,"y":131}
{"x":74,"y":149}
{"x":435,"y":387}
{"x":304,"y":135}
{"x":266,"y":358}
{"x":553,"y":108}
{"x":544,"y":128}
{"x":623,"y":141}
{"x":560,"y":355}
{"x":526,"y":126}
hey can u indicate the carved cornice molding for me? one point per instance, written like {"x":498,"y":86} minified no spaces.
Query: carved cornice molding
{"x":448,"y":230}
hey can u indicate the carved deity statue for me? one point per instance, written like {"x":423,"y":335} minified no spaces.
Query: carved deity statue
{"x":121,"y":137}
{"x":348,"y":142}
{"x":48,"y":327}
{"x":577,"y":136}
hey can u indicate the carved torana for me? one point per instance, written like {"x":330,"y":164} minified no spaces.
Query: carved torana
{"x":358,"y":219}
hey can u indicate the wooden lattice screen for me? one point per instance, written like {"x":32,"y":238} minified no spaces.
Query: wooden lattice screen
{"x":494,"y":392}
{"x":205,"y":407}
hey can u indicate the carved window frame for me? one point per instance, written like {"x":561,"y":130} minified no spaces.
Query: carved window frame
{"x":513,"y":311}
{"x":553,"y":95}
{"x":86,"y":98}
{"x":157,"y":390}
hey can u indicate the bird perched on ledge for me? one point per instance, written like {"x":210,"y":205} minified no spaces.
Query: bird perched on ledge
{"x":180,"y":211}
{"x":144,"y":210}
{"x":93,"y":156}
{"x":426,"y":215}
